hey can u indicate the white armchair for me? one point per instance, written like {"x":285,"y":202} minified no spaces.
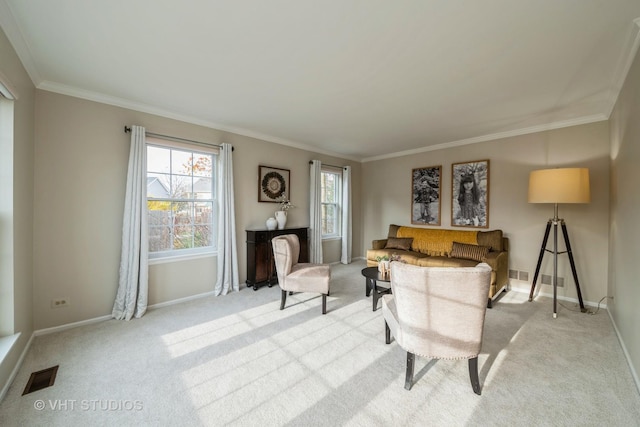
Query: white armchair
{"x":298,"y":277}
{"x":437,"y":312}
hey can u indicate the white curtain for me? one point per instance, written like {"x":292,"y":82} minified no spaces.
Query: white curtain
{"x":315,"y":213}
{"x":227,"y":249}
{"x":133,"y":284}
{"x":345,"y":258}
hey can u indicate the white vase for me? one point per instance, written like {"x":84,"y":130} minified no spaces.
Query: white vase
{"x":281,"y":217}
{"x":272,"y":223}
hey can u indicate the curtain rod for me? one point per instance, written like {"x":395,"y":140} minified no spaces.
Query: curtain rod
{"x":127,"y":129}
{"x":324,"y":164}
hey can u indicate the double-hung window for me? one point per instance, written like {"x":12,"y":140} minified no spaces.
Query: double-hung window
{"x":181,"y":198}
{"x":330,"y":198}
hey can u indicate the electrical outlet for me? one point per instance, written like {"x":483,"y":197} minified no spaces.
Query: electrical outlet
{"x":59,"y":302}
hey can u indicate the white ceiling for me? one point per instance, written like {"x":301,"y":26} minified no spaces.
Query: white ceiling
{"x":362,"y":79}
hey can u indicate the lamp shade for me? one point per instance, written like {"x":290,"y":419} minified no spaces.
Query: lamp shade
{"x":566,"y":185}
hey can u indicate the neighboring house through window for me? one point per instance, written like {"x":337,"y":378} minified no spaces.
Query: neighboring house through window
{"x":330,"y":197}
{"x":181,"y":198}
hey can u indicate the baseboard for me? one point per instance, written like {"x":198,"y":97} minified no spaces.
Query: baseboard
{"x":634,"y":374}
{"x":66,"y":326}
{"x":181,"y":300}
{"x":16,"y":368}
{"x":561,"y":298}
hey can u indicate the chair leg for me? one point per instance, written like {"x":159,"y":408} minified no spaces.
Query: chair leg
{"x":387,"y":333}
{"x":411,"y":359}
{"x":324,"y":304}
{"x":283,"y":299}
{"x":473,"y":375}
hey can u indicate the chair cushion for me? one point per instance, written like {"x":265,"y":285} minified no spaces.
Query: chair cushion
{"x":466,"y":251}
{"x":307,"y":277}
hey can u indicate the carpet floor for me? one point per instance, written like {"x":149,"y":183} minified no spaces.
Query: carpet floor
{"x":238,"y":360}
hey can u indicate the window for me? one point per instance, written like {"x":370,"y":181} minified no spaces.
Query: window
{"x":181,"y":200}
{"x":330,"y":196}
{"x":7,"y":301}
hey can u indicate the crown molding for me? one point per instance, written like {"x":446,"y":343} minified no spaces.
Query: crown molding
{"x":18,"y":41}
{"x":491,"y":137}
{"x":145,"y":108}
{"x":624,"y":64}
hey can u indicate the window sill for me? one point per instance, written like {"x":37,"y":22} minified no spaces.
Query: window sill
{"x":329,"y":239}
{"x":178,"y":258}
{"x":6,"y":344}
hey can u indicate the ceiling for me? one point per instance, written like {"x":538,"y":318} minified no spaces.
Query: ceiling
{"x":360,"y":79}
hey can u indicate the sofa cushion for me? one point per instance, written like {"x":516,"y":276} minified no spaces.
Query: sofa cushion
{"x":402,"y":243}
{"x":445,"y":261}
{"x":393,"y":230}
{"x":436,"y":242}
{"x":409,"y":257}
{"x":466,"y":251}
{"x":493,"y":239}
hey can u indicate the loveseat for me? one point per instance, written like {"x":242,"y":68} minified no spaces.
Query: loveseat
{"x":429,"y":247}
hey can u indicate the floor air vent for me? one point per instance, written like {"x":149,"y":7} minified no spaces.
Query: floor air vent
{"x":41,"y":379}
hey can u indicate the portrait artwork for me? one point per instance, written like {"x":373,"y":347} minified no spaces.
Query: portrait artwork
{"x":425,"y":195}
{"x":470,"y":194}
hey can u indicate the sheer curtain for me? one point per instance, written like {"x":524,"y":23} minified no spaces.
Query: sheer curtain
{"x":315,"y":213}
{"x":227,"y":249}
{"x":345,"y":258}
{"x":133,"y":283}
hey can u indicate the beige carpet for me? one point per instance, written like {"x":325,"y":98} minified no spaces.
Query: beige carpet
{"x":239,"y":360}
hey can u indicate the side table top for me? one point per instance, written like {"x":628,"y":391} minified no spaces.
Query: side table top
{"x":373,"y":274}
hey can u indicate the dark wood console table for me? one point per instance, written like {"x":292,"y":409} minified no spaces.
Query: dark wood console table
{"x":261,"y":269}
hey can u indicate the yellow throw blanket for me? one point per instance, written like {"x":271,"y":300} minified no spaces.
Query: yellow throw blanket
{"x":436,"y":242}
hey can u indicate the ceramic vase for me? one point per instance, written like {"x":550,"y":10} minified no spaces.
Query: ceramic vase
{"x":281,"y":217}
{"x":272,"y":223}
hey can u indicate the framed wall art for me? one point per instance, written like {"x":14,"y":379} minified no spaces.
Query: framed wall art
{"x":273,"y":183}
{"x":425,"y":195}
{"x":470,"y":194}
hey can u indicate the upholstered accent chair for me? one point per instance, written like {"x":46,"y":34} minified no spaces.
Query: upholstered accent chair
{"x":437,"y":312}
{"x":298,"y":277}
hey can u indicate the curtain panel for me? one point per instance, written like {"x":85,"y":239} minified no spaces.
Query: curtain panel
{"x":133,"y":283}
{"x":345,"y":257}
{"x":315,"y":212}
{"x":227,"y":275}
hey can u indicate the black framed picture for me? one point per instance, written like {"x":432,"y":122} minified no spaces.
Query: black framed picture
{"x":425,"y":195}
{"x":470,"y":194}
{"x":273,"y":183}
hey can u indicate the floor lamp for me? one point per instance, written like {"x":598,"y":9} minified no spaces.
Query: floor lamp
{"x":567,"y":185}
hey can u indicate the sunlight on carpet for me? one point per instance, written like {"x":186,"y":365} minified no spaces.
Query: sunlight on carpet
{"x":282,"y":364}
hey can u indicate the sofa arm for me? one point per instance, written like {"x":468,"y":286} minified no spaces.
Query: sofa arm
{"x":499,"y":262}
{"x":379,"y":244}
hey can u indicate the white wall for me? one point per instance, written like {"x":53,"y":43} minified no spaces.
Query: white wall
{"x":80,"y":172}
{"x":624,"y":284}
{"x":387,"y":199}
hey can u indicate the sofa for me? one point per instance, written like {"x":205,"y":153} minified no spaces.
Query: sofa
{"x":429,"y":247}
